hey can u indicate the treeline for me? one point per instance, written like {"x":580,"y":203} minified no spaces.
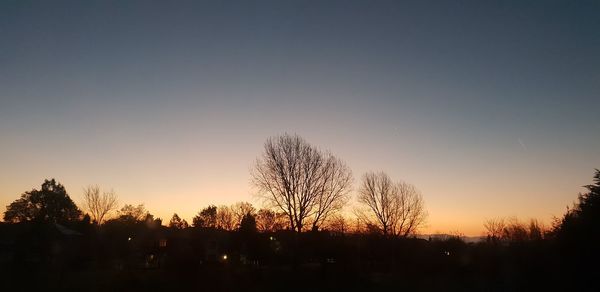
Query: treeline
{"x":302,"y":187}
{"x":299,"y":235}
{"x":52,"y":204}
{"x":513,"y":230}
{"x":224,"y":249}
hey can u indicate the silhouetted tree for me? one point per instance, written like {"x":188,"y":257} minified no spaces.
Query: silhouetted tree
{"x":207,"y":218}
{"x":151,"y":222}
{"x":177,"y":223}
{"x":495,"y":228}
{"x":248,"y":224}
{"x":98,"y":205}
{"x":239,"y":210}
{"x":537,"y":230}
{"x":86,"y":220}
{"x":578,"y":237}
{"x":335,"y":185}
{"x":515,"y":231}
{"x":133,"y":213}
{"x":49,"y":204}
{"x":338,"y":224}
{"x":269,"y":220}
{"x":225,"y":218}
{"x":301,"y":181}
{"x":396,"y":208}
{"x":582,"y":222}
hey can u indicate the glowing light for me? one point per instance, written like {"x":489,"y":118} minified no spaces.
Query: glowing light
{"x":224,"y":257}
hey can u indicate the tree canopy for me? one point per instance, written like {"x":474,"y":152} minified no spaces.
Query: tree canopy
{"x":207,"y":218}
{"x":178,"y":223}
{"x":582,"y":221}
{"x":49,"y":204}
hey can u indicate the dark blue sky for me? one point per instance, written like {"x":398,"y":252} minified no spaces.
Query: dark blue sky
{"x":456,"y":97}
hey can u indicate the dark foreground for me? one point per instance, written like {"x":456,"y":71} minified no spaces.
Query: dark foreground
{"x":140,"y":258}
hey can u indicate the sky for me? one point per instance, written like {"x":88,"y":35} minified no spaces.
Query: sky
{"x":488,"y":107}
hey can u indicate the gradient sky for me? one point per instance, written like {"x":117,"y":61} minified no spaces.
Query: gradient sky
{"x":490,"y":109}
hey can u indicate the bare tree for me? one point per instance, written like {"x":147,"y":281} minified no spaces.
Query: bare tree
{"x":338,"y":224}
{"x":495,"y":228}
{"x":301,"y":181}
{"x":226,"y":218}
{"x":98,"y":205}
{"x":269,"y":220}
{"x":515,"y":230}
{"x":395,"y":208}
{"x":336,"y":183}
{"x":411,"y":210}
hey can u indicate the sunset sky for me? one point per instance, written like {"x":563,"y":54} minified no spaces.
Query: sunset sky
{"x":490,"y":110}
